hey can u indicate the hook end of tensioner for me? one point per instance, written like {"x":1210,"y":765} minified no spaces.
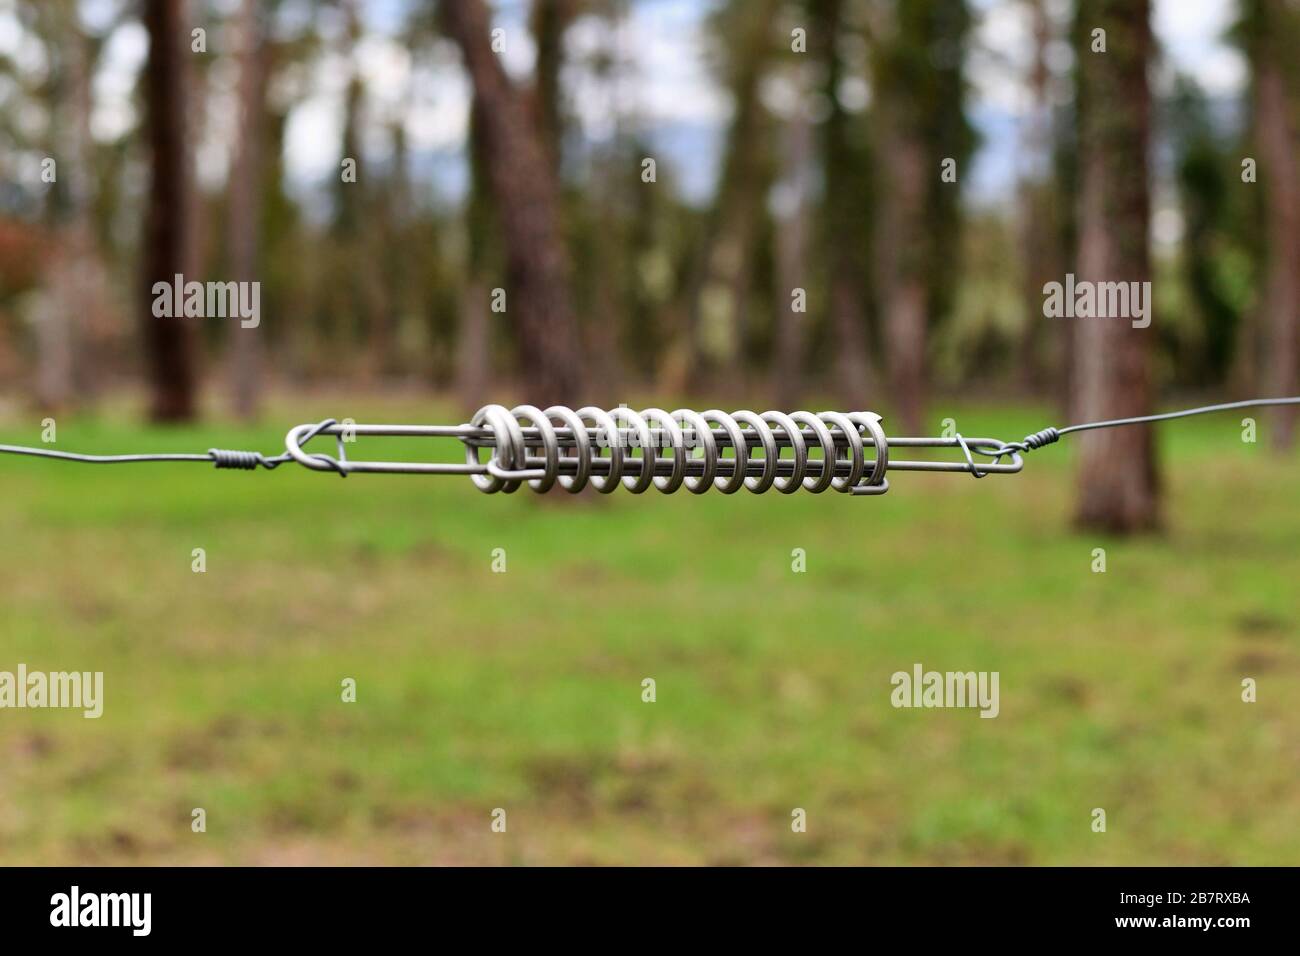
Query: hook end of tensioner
{"x":864,"y":489}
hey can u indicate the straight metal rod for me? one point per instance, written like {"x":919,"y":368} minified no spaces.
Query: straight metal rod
{"x":486,"y":438}
{"x":632,"y":467}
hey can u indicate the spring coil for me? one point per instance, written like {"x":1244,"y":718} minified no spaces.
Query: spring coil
{"x":671,"y":457}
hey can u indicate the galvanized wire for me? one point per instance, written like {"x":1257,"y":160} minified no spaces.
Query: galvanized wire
{"x":222,"y":458}
{"x":654,"y":449}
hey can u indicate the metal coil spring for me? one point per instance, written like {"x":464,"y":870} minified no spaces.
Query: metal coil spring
{"x":683,"y":448}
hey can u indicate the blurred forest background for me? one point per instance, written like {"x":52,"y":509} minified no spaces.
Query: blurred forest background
{"x":799,"y":146}
{"x":383,"y":168}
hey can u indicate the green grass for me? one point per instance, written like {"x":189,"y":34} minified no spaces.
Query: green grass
{"x":523,"y":690}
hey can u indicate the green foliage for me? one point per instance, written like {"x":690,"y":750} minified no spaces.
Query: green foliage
{"x":1215,"y":216}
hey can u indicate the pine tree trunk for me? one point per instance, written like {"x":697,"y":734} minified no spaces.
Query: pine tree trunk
{"x":169,"y":340}
{"x":1281,"y":305}
{"x":548,"y":22}
{"x":843,"y":227}
{"x":1037,"y":224}
{"x":1117,"y":479}
{"x":242,"y":224}
{"x":792,"y":264}
{"x":526,"y":196}
{"x":721,"y":274}
{"x":900,"y":261}
{"x":473,"y":346}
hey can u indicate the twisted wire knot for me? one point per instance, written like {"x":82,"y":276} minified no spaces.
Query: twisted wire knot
{"x":1040,"y":438}
{"x":242,"y":460}
{"x":249,"y":460}
{"x":1037,"y":440}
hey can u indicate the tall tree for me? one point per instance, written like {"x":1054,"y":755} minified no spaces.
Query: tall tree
{"x":1270,"y":30}
{"x":792,"y":249}
{"x":348,"y":192}
{"x":66,"y":96}
{"x":74,"y":318}
{"x":361,"y":220}
{"x":846,"y":211}
{"x":244,"y":193}
{"x":548,"y":20}
{"x":720,"y":281}
{"x":1117,"y":479}
{"x":169,"y":341}
{"x":922,"y":143}
{"x":595,"y":225}
{"x":474,"y":335}
{"x":525,"y":193}
{"x":1039,"y":195}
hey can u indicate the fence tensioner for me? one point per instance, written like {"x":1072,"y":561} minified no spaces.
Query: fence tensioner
{"x":843,"y":451}
{"x":846,"y":452}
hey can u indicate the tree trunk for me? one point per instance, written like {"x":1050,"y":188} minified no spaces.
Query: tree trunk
{"x":1281,"y":301}
{"x":918,"y":63}
{"x":75,"y":321}
{"x":720,"y":277}
{"x":844,"y":229}
{"x":196,"y":126}
{"x":792,"y":261}
{"x":1117,"y":480}
{"x":549,"y":20}
{"x":242,"y":222}
{"x":169,"y":340}
{"x":58,"y":315}
{"x":900,"y":259}
{"x":88,"y":289}
{"x":525,"y":194}
{"x":54,"y":344}
{"x":1038,"y":227}
{"x":473,"y":347}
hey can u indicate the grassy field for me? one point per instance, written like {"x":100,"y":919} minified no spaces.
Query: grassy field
{"x":478,"y":690}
